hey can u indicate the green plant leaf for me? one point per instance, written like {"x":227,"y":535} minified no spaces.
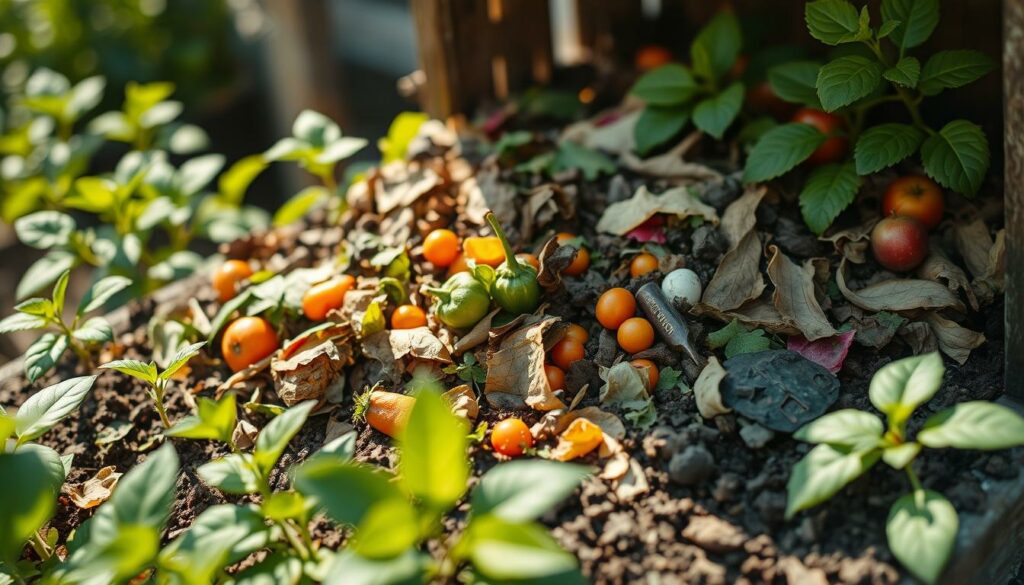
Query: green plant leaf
{"x":796,"y":82}
{"x":226,"y":311}
{"x":747,"y":342}
{"x":846,"y":80}
{"x":921,"y":531}
{"x":117,"y":559}
{"x":340,"y":449}
{"x":658,"y":125}
{"x":668,"y":85}
{"x":214,"y":420}
{"x":973,"y":425}
{"x":22,"y":322}
{"x":44,"y":229}
{"x":94,"y":330}
{"x":60,"y":291}
{"x":957,"y":157}
{"x":829,"y":190}
{"x":834,"y":22}
{"x":899,"y":456}
{"x":349,"y":568}
{"x":197,"y":173}
{"x":235,"y":181}
{"x":951,"y":69}
{"x":716,"y":46}
{"x":886,"y":28}
{"x":25,"y":504}
{"x":234,"y":474}
{"x":901,"y":386}
{"x":341,"y":149}
{"x":501,"y":550}
{"x":823,"y":472}
{"x":780,"y":150}
{"x":181,"y":358}
{"x":388,"y":528}
{"x":283,"y":505}
{"x":46,"y":408}
{"x":101,"y":292}
{"x":346,"y":491}
{"x":906,"y":72}
{"x":44,"y":272}
{"x":843,"y":428}
{"x":315,"y":128}
{"x":221,"y":535}
{"x":54,"y":464}
{"x":401,"y":132}
{"x":134,"y":368}
{"x":144,"y":496}
{"x":521,"y":491}
{"x":274,"y":437}
{"x":715,"y":114}
{"x":916,"y":20}
{"x":300,"y":204}
{"x":42,"y":356}
{"x":433,"y":464}
{"x":590,"y":162}
{"x":884,"y":145}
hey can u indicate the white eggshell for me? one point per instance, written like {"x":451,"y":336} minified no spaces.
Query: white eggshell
{"x":682,"y":285}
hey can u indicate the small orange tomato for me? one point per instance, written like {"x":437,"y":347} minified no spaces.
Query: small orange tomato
{"x":441,"y":247}
{"x":246,"y":341}
{"x":529,"y":259}
{"x":321,"y":298}
{"x":511,"y":437}
{"x":614,"y":306}
{"x":227,"y":277}
{"x":635,"y":335}
{"x":484,"y":250}
{"x":556,"y":377}
{"x":651,"y":371}
{"x":577,"y":332}
{"x":459,"y":265}
{"x":581,"y":262}
{"x":651,"y":57}
{"x":642,"y":264}
{"x":408,"y":317}
{"x":567,"y":351}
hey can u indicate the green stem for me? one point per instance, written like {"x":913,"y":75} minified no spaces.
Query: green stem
{"x":307,"y":538}
{"x":158,"y":399}
{"x":914,"y":481}
{"x":40,"y":546}
{"x":329,"y":181}
{"x":293,"y":540}
{"x":440,"y":293}
{"x":909,"y":101}
{"x":510,"y":255}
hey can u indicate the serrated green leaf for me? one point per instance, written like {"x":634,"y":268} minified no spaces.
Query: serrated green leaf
{"x":915,"y":20}
{"x":44,"y":229}
{"x":823,"y":472}
{"x":134,"y":368}
{"x":921,"y":531}
{"x":591,"y":163}
{"x":829,"y":190}
{"x":658,"y":125}
{"x":433,"y":464}
{"x":901,"y":386}
{"x":834,"y":22}
{"x":22,"y":322}
{"x":974,"y":425}
{"x":44,"y":409}
{"x":747,"y":342}
{"x":274,"y":437}
{"x":521,"y":491}
{"x":843,"y":428}
{"x":957,"y":157}
{"x":906,"y":72}
{"x":42,"y":356}
{"x":715,"y":114}
{"x":884,"y":145}
{"x":796,"y":82}
{"x":780,"y":150}
{"x":668,"y":85}
{"x":951,"y":69}
{"x":846,"y":80}
{"x":716,"y":46}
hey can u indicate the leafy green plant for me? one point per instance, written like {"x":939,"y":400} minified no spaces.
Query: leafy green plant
{"x":702,"y":93}
{"x":519,"y":145}
{"x":922,"y":524}
{"x":736,"y":339}
{"x":469,"y":371}
{"x":877,"y":70}
{"x":157,"y":380}
{"x":80,"y":334}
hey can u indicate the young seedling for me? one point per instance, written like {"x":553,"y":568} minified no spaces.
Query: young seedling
{"x":48,"y":315}
{"x":922,"y":524}
{"x":470,"y":370}
{"x":157,"y":381}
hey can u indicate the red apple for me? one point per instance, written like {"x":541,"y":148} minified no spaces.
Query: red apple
{"x":914,"y":196}
{"x":835,"y":146}
{"x":899,"y":243}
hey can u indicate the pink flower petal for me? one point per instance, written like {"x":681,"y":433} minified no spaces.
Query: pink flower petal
{"x":829,"y":352}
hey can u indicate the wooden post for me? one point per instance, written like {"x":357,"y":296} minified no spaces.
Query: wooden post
{"x":1013,"y":136}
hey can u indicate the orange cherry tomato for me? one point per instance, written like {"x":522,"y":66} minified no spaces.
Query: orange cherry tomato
{"x":227,"y":277}
{"x":651,"y":371}
{"x":441,"y":247}
{"x":581,"y":262}
{"x":484,"y":250}
{"x":635,"y":335}
{"x":459,"y":265}
{"x":567,"y":351}
{"x":614,"y":306}
{"x":834,"y":148}
{"x":321,"y":298}
{"x":408,"y":317}
{"x":511,"y":437}
{"x":642,"y":264}
{"x":246,"y":341}
{"x":577,"y":332}
{"x":529,"y":259}
{"x":917,"y":197}
{"x":652,"y":56}
{"x":556,"y":377}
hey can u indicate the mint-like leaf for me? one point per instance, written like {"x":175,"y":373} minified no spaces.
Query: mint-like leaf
{"x":834,"y":22}
{"x":715,"y":114}
{"x":668,"y":85}
{"x":950,"y":69}
{"x":828,"y":191}
{"x":796,"y":82}
{"x":905,"y":72}
{"x":914,"y":20}
{"x":657,"y":125}
{"x":780,"y":150}
{"x":885,"y":145}
{"x":957,"y":157}
{"x":846,"y":80}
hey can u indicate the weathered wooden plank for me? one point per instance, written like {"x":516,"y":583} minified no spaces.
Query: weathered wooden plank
{"x":1013,"y":146}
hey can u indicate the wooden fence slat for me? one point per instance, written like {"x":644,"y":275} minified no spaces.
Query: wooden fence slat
{"x":1013,"y":137}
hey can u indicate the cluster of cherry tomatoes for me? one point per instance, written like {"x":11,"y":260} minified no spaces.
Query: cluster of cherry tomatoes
{"x":442,"y":248}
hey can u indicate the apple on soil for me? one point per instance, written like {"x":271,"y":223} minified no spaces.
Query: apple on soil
{"x":914,"y":196}
{"x":835,"y":146}
{"x":899,"y":243}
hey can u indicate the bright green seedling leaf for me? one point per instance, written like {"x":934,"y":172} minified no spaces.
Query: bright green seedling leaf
{"x":346,"y":491}
{"x":502,"y":550}
{"x":6,"y":427}
{"x":846,"y":80}
{"x":882,"y":146}
{"x":277,"y":567}
{"x":214,"y":420}
{"x":373,"y":320}
{"x":668,"y":85}
{"x":54,"y":464}
{"x":973,"y":425}
{"x":130,"y":550}
{"x":828,"y":191}
{"x":44,"y":229}
{"x":714,"y":115}
{"x":796,"y":82}
{"x":591,"y":163}
{"x":921,"y":531}
{"x":44,"y":409}
{"x":233,"y":184}
{"x":388,"y":528}
{"x":906,"y":72}
{"x":341,"y":149}
{"x":234,"y":474}
{"x":914,"y":20}
{"x":887,"y":28}
{"x":951,"y":69}
{"x":780,"y":150}
{"x":957,"y":157}
{"x":823,"y":472}
{"x":221,"y":535}
{"x":401,"y":132}
{"x":717,"y":46}
{"x":315,"y":128}
{"x":521,"y":491}
{"x":899,"y":456}
{"x":433,"y":443}
{"x":747,"y":342}
{"x":134,"y":368}
{"x":101,"y":292}
{"x":60,"y":291}
{"x":349,"y":568}
{"x":843,"y":428}
{"x":300,"y":204}
{"x":227,"y":310}
{"x":340,"y":449}
{"x":44,"y":272}
{"x":181,"y":358}
{"x":25,"y":504}
{"x":658,"y":125}
{"x":900,"y":387}
{"x":94,"y":330}
{"x":834,"y":22}
{"x":43,"y":355}
{"x":22,"y":322}
{"x":721,"y":337}
{"x":283,"y":505}
{"x":274,"y":437}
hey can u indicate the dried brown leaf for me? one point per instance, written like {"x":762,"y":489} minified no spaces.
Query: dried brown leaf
{"x":95,"y":490}
{"x":463,"y":401}
{"x":904,"y":294}
{"x":794,"y":296}
{"x":738,"y":278}
{"x":244,"y":435}
{"x":478,"y":335}
{"x":954,"y":340}
{"x":610,"y":424}
{"x":939,"y":268}
{"x":400,"y":184}
{"x":672,"y":164}
{"x":622,"y":217}
{"x":973,"y":242}
{"x":705,"y":390}
{"x":515,"y":372}
{"x":614,"y":137}
{"x":391,"y":346}
{"x":853,"y":243}
{"x":307,"y":374}
{"x":741,"y":215}
{"x":554,"y":259}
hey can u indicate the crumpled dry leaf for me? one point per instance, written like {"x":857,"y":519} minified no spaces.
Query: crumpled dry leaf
{"x":633,"y":483}
{"x":544,"y":204}
{"x":672,"y":164}
{"x":919,"y":336}
{"x":905,"y":294}
{"x":479,"y":334}
{"x":463,"y":401}
{"x":985,"y":258}
{"x":500,"y":197}
{"x":610,"y":131}
{"x":401,"y":184}
{"x":954,"y":340}
{"x":754,"y":314}
{"x":738,"y":278}
{"x":391,"y":346}
{"x":705,"y":390}
{"x":554,"y":259}
{"x":244,"y":435}
{"x":580,"y":438}
{"x":794,"y":295}
{"x":307,"y":374}
{"x":515,"y":372}
{"x":622,"y":217}
{"x":475,"y":208}
{"x":939,"y":268}
{"x":829,"y":353}
{"x":853,"y":243}
{"x":622,"y":384}
{"x":741,"y":215}
{"x":95,"y":490}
